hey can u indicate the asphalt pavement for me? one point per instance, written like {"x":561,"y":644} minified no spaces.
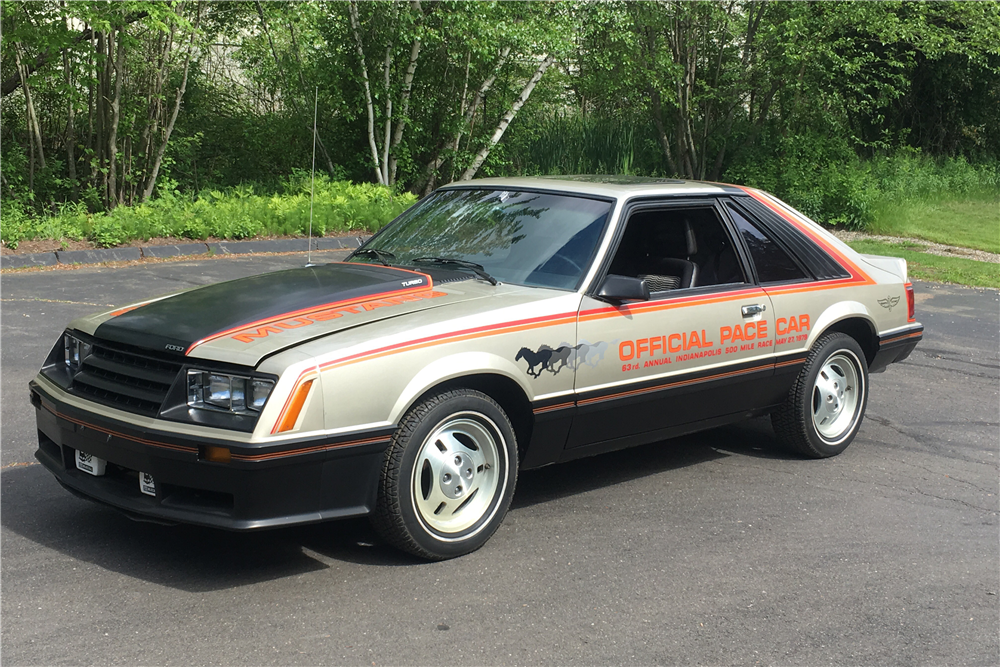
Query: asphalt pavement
{"x":713,"y":549}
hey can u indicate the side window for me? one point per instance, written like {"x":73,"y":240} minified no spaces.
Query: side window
{"x":677,"y":248}
{"x":772,"y":262}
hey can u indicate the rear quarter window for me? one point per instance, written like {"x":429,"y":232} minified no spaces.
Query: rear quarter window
{"x":773,"y":264}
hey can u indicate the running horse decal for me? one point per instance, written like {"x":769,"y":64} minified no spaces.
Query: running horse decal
{"x":546,"y":359}
{"x":533,"y":358}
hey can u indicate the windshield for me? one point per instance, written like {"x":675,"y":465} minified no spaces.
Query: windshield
{"x":526,"y":238}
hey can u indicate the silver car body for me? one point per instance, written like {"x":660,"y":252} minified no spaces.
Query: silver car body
{"x":367,"y":361}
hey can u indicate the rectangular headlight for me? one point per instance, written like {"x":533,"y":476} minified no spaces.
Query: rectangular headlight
{"x":75,"y":351}
{"x":221,"y":391}
{"x":259,"y":391}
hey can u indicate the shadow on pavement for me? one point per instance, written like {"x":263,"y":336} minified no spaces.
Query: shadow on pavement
{"x":752,"y":438}
{"x":197,"y":559}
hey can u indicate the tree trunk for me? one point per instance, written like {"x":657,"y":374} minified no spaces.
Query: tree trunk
{"x":369,"y":106}
{"x":34,"y":130}
{"x":163,"y":45}
{"x":31,"y":162}
{"x":387,"y":70}
{"x":119,"y":53}
{"x":684,"y":50}
{"x":91,"y":134}
{"x":154,"y":173}
{"x":661,"y":131}
{"x":70,"y":128}
{"x":397,"y":136}
{"x":509,"y":116}
{"x":103,"y":89}
{"x":465,"y":95}
{"x":435,"y":163}
{"x":411,"y":70}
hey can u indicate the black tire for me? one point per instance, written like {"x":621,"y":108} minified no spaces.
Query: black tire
{"x":826,"y":405}
{"x":448,"y":476}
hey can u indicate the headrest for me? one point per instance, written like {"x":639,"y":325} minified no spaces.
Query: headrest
{"x":692,"y":242}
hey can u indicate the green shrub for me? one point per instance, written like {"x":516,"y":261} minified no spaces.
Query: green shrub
{"x":234,"y":213}
{"x":15,"y":223}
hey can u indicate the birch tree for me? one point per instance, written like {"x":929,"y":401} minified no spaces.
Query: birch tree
{"x":383,"y":148}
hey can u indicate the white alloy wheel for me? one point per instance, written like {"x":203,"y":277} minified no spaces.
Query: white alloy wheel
{"x":826,"y":403}
{"x":448,"y":476}
{"x":455,"y":479}
{"x":835,"y":396}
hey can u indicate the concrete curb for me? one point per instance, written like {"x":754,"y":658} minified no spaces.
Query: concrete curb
{"x":20,"y":261}
{"x":101,"y":255}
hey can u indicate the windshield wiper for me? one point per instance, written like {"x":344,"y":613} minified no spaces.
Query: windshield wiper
{"x":465,"y":264}
{"x":381,"y":255}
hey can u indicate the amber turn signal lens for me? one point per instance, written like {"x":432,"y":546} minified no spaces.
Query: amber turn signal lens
{"x":291,"y":415}
{"x":218,"y":454}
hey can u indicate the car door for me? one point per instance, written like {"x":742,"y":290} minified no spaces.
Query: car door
{"x":700,"y":349}
{"x":798,"y":283}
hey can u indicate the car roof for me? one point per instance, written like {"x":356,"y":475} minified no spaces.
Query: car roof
{"x":605,"y":186}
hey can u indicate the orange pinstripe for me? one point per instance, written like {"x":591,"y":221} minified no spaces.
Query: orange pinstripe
{"x":307,"y":450}
{"x":912,"y":334}
{"x":153,"y":443}
{"x":122,"y":311}
{"x":550,"y":408}
{"x":857,"y":275}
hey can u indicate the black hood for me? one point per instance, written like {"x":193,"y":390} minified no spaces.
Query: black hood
{"x":178,"y":322}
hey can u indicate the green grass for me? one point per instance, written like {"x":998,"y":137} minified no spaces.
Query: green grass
{"x":934,"y":268}
{"x":971,"y":222}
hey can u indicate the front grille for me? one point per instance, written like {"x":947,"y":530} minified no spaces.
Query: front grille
{"x":127,"y":379}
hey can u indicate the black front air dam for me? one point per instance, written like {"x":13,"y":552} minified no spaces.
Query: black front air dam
{"x":298,"y":482}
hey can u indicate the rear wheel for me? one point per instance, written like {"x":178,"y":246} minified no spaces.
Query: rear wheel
{"x":825,"y":407}
{"x":448,"y":476}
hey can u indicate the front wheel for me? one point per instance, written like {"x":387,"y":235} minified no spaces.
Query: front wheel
{"x":448,"y":476}
{"x":825,"y":406}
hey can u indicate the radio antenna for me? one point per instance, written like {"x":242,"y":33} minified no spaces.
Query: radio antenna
{"x":312,"y":183}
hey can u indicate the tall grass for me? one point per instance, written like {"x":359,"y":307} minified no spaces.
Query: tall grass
{"x":235,"y":213}
{"x":949,"y":201}
{"x":579,"y":145}
{"x":839,"y":188}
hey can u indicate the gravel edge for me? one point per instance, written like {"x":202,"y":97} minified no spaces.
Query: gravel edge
{"x":928,"y":247}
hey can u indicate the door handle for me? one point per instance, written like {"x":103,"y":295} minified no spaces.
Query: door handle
{"x":753,"y":309}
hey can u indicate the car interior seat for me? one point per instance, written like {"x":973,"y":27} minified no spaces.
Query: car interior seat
{"x":666,"y":270}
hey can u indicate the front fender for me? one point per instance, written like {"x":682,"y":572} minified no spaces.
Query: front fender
{"x":456,"y":366}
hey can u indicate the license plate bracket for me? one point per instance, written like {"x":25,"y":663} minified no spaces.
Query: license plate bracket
{"x":147,"y":484}
{"x":90,"y":464}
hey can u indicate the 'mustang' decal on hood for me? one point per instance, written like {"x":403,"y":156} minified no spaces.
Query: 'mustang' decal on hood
{"x":257,"y":306}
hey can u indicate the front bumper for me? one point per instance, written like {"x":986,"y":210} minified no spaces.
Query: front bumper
{"x":263,"y":486}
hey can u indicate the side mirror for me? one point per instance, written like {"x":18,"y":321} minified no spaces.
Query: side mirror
{"x":623,"y":288}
